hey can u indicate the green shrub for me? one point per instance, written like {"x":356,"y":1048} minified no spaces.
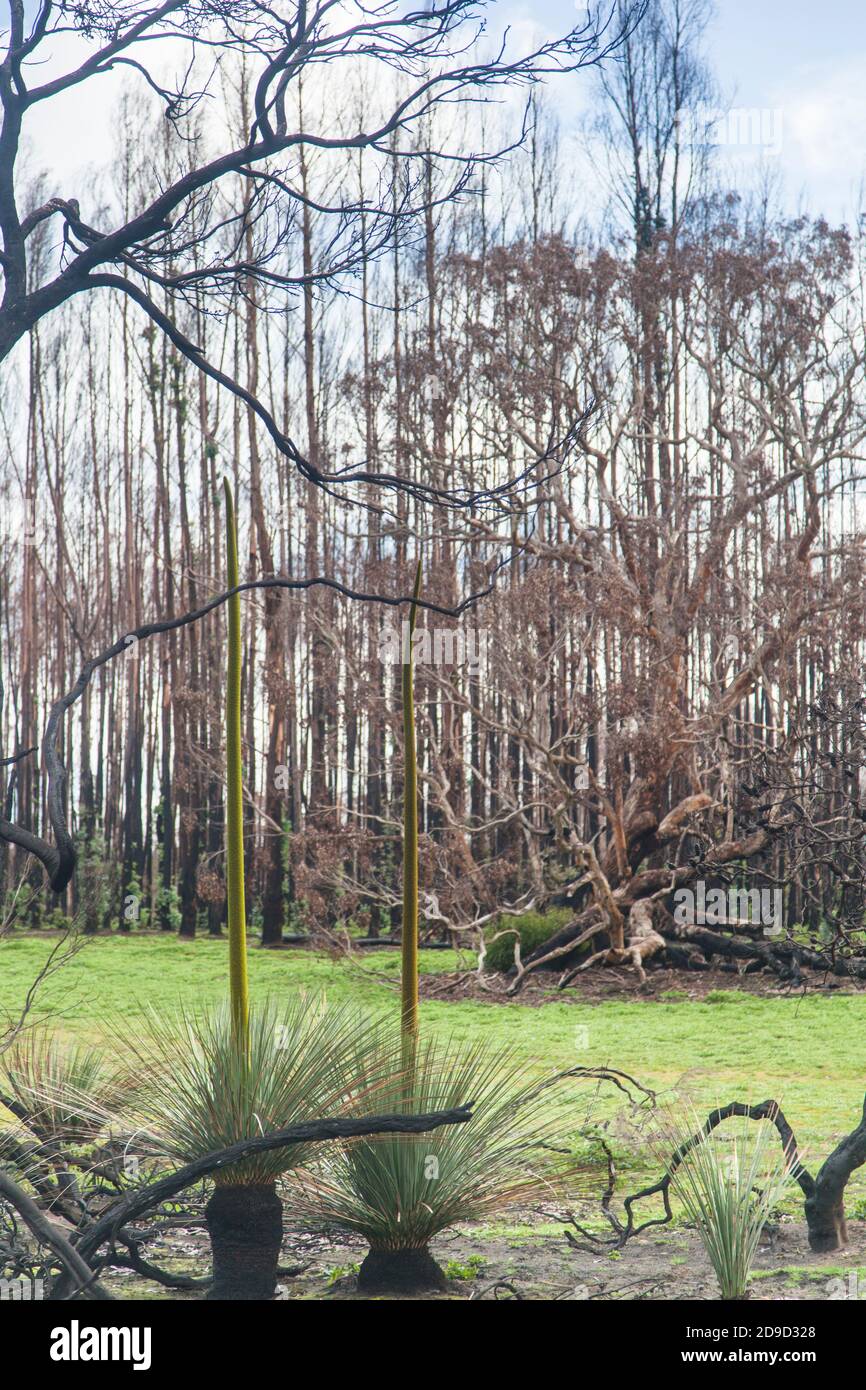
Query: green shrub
{"x":471,"y":1268}
{"x":533,"y":929}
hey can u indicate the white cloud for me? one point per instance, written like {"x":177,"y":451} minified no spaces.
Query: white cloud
{"x":823,"y":118}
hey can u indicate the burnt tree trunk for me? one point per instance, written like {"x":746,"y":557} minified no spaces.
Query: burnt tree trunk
{"x":401,"y":1271}
{"x":245,"y":1224}
{"x":825,"y":1204}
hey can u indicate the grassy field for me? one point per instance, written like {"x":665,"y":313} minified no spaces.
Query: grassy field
{"x":809,"y":1053}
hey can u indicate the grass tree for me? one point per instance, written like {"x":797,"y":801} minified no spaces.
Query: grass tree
{"x":204,"y":1089}
{"x":237,"y":1074}
{"x":244,"y":1214}
{"x":728,"y":1182}
{"x":217,"y":1078}
{"x":401,"y":1191}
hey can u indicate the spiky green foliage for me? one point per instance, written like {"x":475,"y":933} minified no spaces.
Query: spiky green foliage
{"x":305,"y":1060}
{"x":63,"y":1091}
{"x":238,"y":981}
{"x":399,"y":1192}
{"x":728,"y":1183}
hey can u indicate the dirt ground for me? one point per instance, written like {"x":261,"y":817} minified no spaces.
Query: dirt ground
{"x":529,"y":1258}
{"x":604,"y":983}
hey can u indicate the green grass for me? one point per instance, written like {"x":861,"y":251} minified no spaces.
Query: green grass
{"x":809,"y":1053}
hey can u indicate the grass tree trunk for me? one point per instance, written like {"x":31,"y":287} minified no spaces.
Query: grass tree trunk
{"x":401,"y":1271}
{"x":245,"y":1223}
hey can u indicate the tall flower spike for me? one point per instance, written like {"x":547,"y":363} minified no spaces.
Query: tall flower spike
{"x":238,"y":981}
{"x":409,"y":968}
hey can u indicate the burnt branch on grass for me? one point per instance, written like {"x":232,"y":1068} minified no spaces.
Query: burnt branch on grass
{"x":824,"y":1193}
{"x":47,"y":1233}
{"x":145,"y":1199}
{"x":132,"y":1258}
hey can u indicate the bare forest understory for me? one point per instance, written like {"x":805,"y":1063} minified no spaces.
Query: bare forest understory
{"x":530,"y":1257}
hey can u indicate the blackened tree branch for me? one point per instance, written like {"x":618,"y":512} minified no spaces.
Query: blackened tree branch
{"x":48,"y":1233}
{"x":824,"y":1193}
{"x":136,"y":1204}
{"x":433,"y":50}
{"x":553,"y":458}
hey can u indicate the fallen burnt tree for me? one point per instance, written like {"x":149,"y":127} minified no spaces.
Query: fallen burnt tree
{"x":653,"y":936}
{"x":784,"y":958}
{"x":630,"y":916}
{"x":798,"y":821}
{"x":824,"y":1193}
{"x":626,"y":910}
{"x":77,"y":1253}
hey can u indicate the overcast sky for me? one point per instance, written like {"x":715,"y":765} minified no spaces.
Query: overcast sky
{"x":803,"y":65}
{"x":809,"y":61}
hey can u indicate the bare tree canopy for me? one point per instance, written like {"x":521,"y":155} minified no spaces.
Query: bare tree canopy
{"x":184,"y":238}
